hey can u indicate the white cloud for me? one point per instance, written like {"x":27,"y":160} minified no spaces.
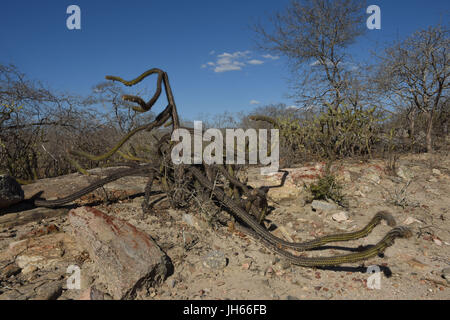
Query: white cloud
{"x":232,"y":61}
{"x":292,"y":108}
{"x":212,"y":52}
{"x":254,"y":102}
{"x":255,"y":62}
{"x":269,"y":56}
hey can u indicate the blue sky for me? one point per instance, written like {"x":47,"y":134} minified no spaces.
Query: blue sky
{"x":125,"y":38}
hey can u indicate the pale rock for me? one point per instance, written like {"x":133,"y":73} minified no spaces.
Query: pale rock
{"x":445,"y":273}
{"x":29,"y":269}
{"x":340,"y":216}
{"x":411,"y":220}
{"x":286,"y":193}
{"x":323,"y":205}
{"x":436,"y":172}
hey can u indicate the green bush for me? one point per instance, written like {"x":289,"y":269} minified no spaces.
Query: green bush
{"x":331,"y":134}
{"x":327,"y":188}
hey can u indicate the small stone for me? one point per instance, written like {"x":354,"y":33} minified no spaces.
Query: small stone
{"x":172,"y":283}
{"x":436,"y":172}
{"x":9,"y":270}
{"x":437,"y":241}
{"x":411,"y":220}
{"x":323,"y":205}
{"x":29,"y":269}
{"x":327,"y":295}
{"x":215,"y":260}
{"x":445,"y":273}
{"x":340,"y":216}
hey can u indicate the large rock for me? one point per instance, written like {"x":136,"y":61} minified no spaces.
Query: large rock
{"x":127,"y":258}
{"x":10,"y":191}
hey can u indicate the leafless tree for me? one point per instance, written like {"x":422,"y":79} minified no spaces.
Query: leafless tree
{"x":315,"y":35}
{"x":118,"y":113}
{"x":36,"y":126}
{"x":417,"y":72}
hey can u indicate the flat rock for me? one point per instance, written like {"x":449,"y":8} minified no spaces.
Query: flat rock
{"x":44,"y":290}
{"x":340,"y":216}
{"x":58,"y":187}
{"x":323,"y":205}
{"x":10,"y":191}
{"x":37,"y":214}
{"x":127,"y":259}
{"x":286,"y":193}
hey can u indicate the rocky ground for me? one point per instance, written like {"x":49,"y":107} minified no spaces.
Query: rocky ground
{"x":38,"y":245}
